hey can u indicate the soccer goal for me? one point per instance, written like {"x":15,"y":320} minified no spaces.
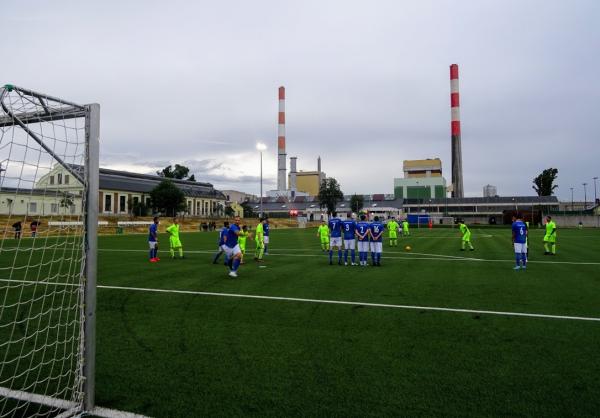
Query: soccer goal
{"x":436,"y":221}
{"x":48,"y":221}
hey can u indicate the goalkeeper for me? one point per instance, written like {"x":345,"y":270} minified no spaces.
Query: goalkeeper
{"x":323,"y":234}
{"x":259,"y":238}
{"x":174,"y":241}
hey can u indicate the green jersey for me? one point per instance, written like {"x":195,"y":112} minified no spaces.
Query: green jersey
{"x":259,"y":233}
{"x":464,"y":229}
{"x":173,"y":231}
{"x":323,"y":231}
{"x":405,"y":225}
{"x":392,"y":226}
{"x":550,"y":228}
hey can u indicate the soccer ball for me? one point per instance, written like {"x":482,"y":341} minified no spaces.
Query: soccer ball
{"x":407,"y":248}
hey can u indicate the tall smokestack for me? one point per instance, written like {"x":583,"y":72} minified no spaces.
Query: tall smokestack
{"x":293,"y":174}
{"x":457,"y":177}
{"x":281,"y":182}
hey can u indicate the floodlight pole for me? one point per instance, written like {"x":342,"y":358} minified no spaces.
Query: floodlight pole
{"x":584,"y":196}
{"x":261,"y":185}
{"x":92,"y":122}
{"x":572,"y":202}
{"x":595,"y":196}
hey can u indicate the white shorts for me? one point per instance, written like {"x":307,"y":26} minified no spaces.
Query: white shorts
{"x":349,"y":244}
{"x":230,"y":252}
{"x":266,"y":239}
{"x":520,"y":248}
{"x":223,"y":248}
{"x":152,"y":244}
{"x":376,"y":247}
{"x":335,"y":242}
{"x":363,"y":246}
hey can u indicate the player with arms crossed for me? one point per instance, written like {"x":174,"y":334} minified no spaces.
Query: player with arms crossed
{"x":376,"y":231}
{"x":232,"y":248}
{"x":362,"y":235}
{"x":392,"y":227}
{"x":335,"y":232}
{"x":349,"y":231}
{"x":153,"y":240}
{"x":519,"y":238}
{"x":323,"y":234}
{"x":550,"y":237}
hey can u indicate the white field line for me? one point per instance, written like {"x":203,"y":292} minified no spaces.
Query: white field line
{"x":340,"y":302}
{"x":438,"y":257}
{"x":70,"y":406}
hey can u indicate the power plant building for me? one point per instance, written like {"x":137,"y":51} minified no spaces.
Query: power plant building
{"x":422,"y":180}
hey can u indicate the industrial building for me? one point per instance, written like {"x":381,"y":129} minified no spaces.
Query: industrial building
{"x":422,"y":180}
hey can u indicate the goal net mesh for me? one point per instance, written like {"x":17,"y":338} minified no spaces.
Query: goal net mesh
{"x":42,"y":196}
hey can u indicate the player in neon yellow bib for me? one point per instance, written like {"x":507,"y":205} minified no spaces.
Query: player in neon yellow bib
{"x":323,"y":234}
{"x":392,"y":227}
{"x":405,"y":228}
{"x":174,"y":241}
{"x":550,"y":237}
{"x":244,"y":234}
{"x":466,"y":236}
{"x":259,"y":237}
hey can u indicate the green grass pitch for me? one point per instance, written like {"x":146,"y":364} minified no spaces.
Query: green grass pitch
{"x":188,"y":354}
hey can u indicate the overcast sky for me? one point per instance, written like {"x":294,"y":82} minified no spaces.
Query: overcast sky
{"x":367,"y":85}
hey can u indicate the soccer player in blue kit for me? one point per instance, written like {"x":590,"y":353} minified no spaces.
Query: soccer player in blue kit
{"x":349,"y":231}
{"x":519,"y":238}
{"x":266,"y":235}
{"x":376,"y":229}
{"x":232,"y":248}
{"x":362,"y":235}
{"x":335,"y":237}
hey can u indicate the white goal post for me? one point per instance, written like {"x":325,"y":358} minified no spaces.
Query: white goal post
{"x":49,"y":157}
{"x":436,"y":221}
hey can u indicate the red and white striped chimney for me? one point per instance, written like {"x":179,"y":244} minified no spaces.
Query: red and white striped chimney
{"x":281,"y":168}
{"x":457,"y":177}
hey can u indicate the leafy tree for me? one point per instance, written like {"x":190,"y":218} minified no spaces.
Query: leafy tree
{"x":330,"y":194}
{"x":248,"y":212}
{"x":66,"y":201}
{"x":543,"y":183}
{"x":229,"y":212}
{"x":179,"y":172}
{"x":357,"y":203}
{"x":138,"y":208}
{"x":167,"y":198}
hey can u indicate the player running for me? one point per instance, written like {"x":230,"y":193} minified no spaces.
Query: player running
{"x":260,"y":242}
{"x":221,"y":243}
{"x":376,"y":240}
{"x":335,"y":232}
{"x":550,"y":237}
{"x":349,"y":231}
{"x":392,"y":227}
{"x":232,"y":248}
{"x":519,"y":238}
{"x":153,"y":240}
{"x":362,"y":235}
{"x":466,"y":236}
{"x":266,"y":234}
{"x":323,"y":234}
{"x":174,"y":241}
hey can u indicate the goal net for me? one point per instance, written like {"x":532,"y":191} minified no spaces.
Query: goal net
{"x":48,"y":219}
{"x":435,"y":221}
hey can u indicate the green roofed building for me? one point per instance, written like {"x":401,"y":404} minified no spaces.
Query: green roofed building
{"x":422,"y":180}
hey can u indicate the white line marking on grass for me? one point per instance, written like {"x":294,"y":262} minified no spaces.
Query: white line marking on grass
{"x":70,"y":406}
{"x":325,"y":301}
{"x":409,"y":256}
{"x":341,"y":302}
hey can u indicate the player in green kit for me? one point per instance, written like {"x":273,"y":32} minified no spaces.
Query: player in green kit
{"x":392,"y":227}
{"x":550,"y":237}
{"x":405,"y":228}
{"x":244,"y":233}
{"x":259,"y":237}
{"x":466,"y":236}
{"x":323,"y":234}
{"x":174,"y":241}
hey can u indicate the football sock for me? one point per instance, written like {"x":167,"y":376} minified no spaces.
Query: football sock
{"x":378,"y":257}
{"x":236,"y":264}
{"x":181,"y":252}
{"x":172,"y":252}
{"x":524,"y":258}
{"x":373,"y":257}
{"x":553,"y":248}
{"x":352,"y":255}
{"x":346,"y":256}
{"x":266,"y":250}
{"x":151,"y":254}
{"x":546,"y":247}
{"x":331,"y":256}
{"x":517,"y":258}
{"x":463,"y":245}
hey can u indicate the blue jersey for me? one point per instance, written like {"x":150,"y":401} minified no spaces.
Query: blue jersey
{"x":376,"y":229}
{"x":348,"y":226}
{"x":519,"y":230}
{"x":222,"y":235}
{"x":335,"y":227}
{"x":152,"y":233}
{"x":362,"y":228}
{"x":266,"y":229}
{"x":232,"y":238}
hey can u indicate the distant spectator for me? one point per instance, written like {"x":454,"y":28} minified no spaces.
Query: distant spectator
{"x":34,"y":226}
{"x":18,"y":227}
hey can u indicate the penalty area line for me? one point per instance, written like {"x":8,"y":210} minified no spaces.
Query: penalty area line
{"x":351,"y":303}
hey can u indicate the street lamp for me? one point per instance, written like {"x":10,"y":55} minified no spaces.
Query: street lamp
{"x":584,"y":196}
{"x":261,"y":147}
